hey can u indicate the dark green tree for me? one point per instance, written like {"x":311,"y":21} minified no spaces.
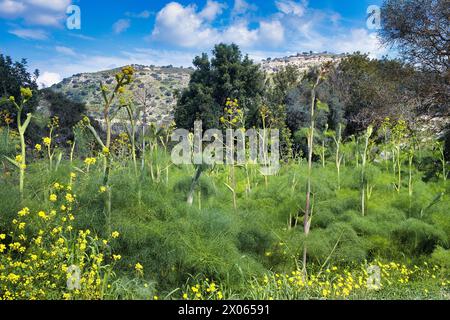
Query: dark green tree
{"x":68,"y":112}
{"x":14,"y":75}
{"x":228,"y":74}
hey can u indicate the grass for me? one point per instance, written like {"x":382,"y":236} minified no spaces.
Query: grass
{"x":177,"y":243}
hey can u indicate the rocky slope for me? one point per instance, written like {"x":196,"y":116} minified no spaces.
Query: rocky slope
{"x":303,"y":61}
{"x":155,"y":84}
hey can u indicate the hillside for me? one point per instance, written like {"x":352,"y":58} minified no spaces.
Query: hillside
{"x":161,"y":82}
{"x":303,"y":61}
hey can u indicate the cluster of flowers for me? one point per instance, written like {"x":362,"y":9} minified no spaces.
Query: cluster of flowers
{"x":204,"y":290}
{"x":233,"y":115}
{"x":333,"y":283}
{"x":40,"y":253}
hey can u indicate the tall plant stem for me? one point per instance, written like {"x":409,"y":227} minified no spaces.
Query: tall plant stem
{"x":306,"y":218}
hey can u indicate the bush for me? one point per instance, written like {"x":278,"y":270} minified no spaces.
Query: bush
{"x":417,"y":237}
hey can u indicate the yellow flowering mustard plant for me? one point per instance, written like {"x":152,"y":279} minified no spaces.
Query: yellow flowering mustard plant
{"x":52,"y":260}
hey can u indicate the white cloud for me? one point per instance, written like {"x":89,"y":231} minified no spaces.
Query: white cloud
{"x":121,"y":25}
{"x":212,"y":10}
{"x":240,"y":34}
{"x":359,"y":40}
{"x":291,"y":7}
{"x":182,"y":26}
{"x":48,"y":79}
{"x":271,"y":33}
{"x":35,"y":12}
{"x":141,"y":15}
{"x":187,"y":27}
{"x":53,"y":5}
{"x":45,"y":19}
{"x":241,"y":7}
{"x":65,"y":50}
{"x":29,"y":34}
{"x":10,"y":7}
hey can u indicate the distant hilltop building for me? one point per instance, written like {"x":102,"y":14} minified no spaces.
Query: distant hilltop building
{"x":303,"y":61}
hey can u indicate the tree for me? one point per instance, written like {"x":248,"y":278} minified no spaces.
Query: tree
{"x":227,"y":75}
{"x":372,"y":90}
{"x":68,"y":112}
{"x":419,"y":29}
{"x":13,"y":76}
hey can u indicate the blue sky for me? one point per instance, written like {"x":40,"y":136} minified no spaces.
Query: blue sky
{"x":118,"y":32}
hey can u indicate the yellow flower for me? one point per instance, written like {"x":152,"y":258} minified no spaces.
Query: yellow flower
{"x":38,"y":147}
{"x":138,"y":267}
{"x":43,"y":215}
{"x":47,"y":141}
{"x":115,"y":234}
{"x":185,"y":296}
{"x":73,"y":175}
{"x":102,"y":189}
{"x":26,"y":93}
{"x":22,"y":213}
{"x":2,"y":236}
{"x":128,"y":70}
{"x":105,"y":150}
{"x":117,"y":257}
{"x":69,"y":198}
{"x":90,"y":161}
{"x":19,"y":158}
{"x":155,"y":298}
{"x":53,"y":198}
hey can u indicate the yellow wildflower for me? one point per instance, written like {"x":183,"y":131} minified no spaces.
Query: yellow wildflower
{"x":139,"y":268}
{"x":47,"y":141}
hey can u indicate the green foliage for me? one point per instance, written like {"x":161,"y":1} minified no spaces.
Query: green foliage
{"x":415,"y":236}
{"x":441,"y":257}
{"x":13,"y":76}
{"x":68,"y":112}
{"x":226,"y":75}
